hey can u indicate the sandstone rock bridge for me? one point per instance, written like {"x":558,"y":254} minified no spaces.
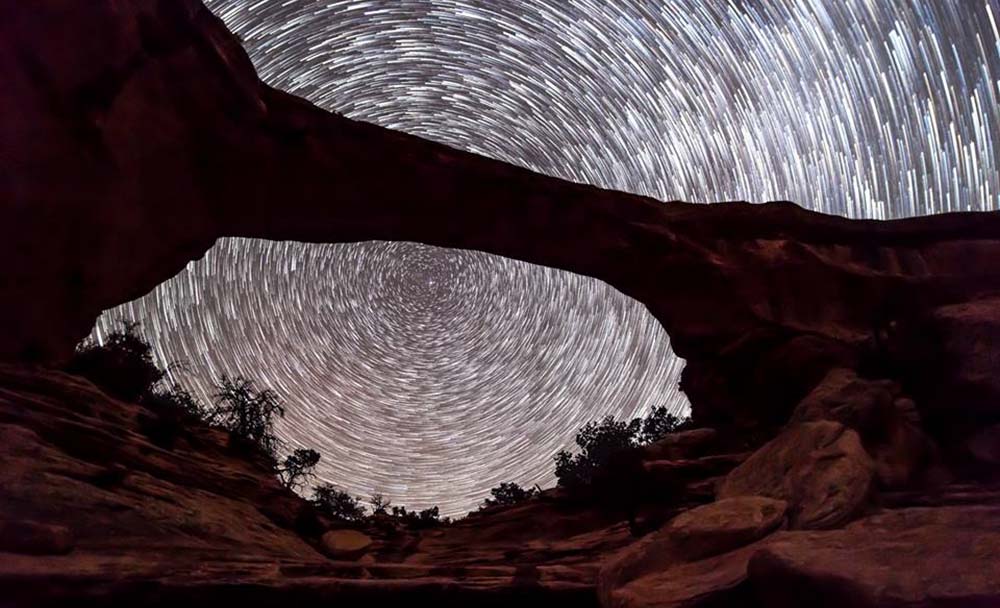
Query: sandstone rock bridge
{"x":133,"y":135}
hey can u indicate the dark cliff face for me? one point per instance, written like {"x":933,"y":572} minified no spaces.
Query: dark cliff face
{"x":135,"y":134}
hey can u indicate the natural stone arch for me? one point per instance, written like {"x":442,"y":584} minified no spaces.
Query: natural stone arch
{"x":136,"y":138}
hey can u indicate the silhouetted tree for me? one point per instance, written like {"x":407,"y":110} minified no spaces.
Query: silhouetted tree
{"x":428,"y":518}
{"x":658,"y":424}
{"x":298,"y":467}
{"x":171,"y":412}
{"x":248,"y":413}
{"x":337,"y":504}
{"x":380,"y":504}
{"x":508,"y":493}
{"x":597,"y":441}
{"x":621,"y":485}
{"x":177,"y":399}
{"x":122,"y":365}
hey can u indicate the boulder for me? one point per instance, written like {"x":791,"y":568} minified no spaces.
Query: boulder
{"x":968,"y":381}
{"x":725,"y":525}
{"x":948,"y":556}
{"x":345,"y":544}
{"x":889,"y":425}
{"x":691,"y":536}
{"x":664,"y":471}
{"x":861,"y":404}
{"x":714,"y":581}
{"x":679,"y":446}
{"x":819,"y":468}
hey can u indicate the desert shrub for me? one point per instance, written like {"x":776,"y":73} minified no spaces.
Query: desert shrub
{"x":298,"y":467}
{"x":174,"y":399}
{"x":248,"y":413}
{"x":419,"y":520}
{"x":122,"y":365}
{"x":599,"y":442}
{"x":380,"y":504}
{"x":508,"y":493}
{"x":170,"y":412}
{"x":659,"y":423}
{"x":429,"y":518}
{"x":388,"y":516}
{"x":337,"y":504}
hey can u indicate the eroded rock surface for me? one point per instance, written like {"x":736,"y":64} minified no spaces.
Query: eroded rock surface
{"x":94,"y":512}
{"x":888,"y":423}
{"x":820,"y":468}
{"x":692,"y":536}
{"x":947,"y":556}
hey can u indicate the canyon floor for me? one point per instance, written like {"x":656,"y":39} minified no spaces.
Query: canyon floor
{"x":105,"y":505}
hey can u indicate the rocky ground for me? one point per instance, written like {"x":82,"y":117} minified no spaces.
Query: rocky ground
{"x":110,"y":504}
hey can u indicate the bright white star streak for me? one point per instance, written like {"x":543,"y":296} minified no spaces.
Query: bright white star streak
{"x":433,"y":375}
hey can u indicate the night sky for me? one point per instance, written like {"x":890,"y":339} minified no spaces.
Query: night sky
{"x":432,"y":375}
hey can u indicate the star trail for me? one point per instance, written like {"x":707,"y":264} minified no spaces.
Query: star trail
{"x":432,"y":375}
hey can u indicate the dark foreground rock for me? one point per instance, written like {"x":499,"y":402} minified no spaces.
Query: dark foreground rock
{"x":820,"y":468}
{"x":96,"y":513}
{"x":692,"y":536}
{"x":947,"y":556}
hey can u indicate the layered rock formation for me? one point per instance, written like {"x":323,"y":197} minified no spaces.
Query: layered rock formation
{"x":855,"y":360}
{"x":108,"y":503}
{"x":99,"y":509}
{"x":847,"y":505}
{"x":135,"y":134}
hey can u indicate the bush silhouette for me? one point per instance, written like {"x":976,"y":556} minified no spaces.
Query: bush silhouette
{"x":121,"y":366}
{"x":174,"y":399}
{"x":379,"y":503}
{"x":508,"y":493}
{"x":428,"y":518}
{"x":600,"y":442}
{"x":297,"y":468}
{"x":248,"y":413}
{"x":658,"y":424}
{"x":337,"y":504}
{"x":597,"y":442}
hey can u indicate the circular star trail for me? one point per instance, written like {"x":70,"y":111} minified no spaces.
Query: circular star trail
{"x":429,"y":375}
{"x":432,"y":375}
